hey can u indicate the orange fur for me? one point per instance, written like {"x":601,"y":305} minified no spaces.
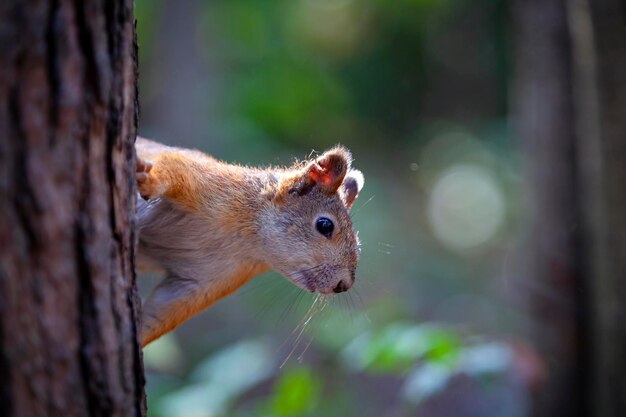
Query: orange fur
{"x":196,"y":181}
{"x":183,"y":309}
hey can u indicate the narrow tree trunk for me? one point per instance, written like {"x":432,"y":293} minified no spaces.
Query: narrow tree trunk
{"x":68,"y":305}
{"x":571,"y":118}
{"x":599,"y":32}
{"x":545,"y":126}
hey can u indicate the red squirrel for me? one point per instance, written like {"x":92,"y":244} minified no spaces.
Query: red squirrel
{"x":212,"y":226}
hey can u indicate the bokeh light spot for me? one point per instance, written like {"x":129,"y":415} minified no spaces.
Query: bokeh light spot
{"x":466,"y":207}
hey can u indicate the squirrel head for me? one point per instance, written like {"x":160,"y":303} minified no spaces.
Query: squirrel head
{"x":306,"y":230}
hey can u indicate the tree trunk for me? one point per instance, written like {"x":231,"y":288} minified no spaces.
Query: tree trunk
{"x":599,"y":31}
{"x":571,"y":118}
{"x":545,"y":127}
{"x":68,"y":304}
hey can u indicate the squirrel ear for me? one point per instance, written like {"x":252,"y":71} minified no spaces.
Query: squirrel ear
{"x":329,"y":170}
{"x":350,"y":187}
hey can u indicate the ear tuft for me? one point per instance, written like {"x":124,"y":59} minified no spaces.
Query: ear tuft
{"x":329,"y":170}
{"x":351,"y":186}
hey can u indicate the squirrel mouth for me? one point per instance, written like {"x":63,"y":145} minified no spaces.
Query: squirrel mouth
{"x":309,"y":286}
{"x":303,"y":280}
{"x":317,"y":279}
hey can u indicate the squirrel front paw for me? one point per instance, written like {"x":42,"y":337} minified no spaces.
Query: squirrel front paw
{"x":146,"y":183}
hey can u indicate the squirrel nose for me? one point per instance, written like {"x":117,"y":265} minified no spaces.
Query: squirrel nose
{"x":342,"y":286}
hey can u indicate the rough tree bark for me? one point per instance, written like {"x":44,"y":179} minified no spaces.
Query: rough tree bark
{"x":68,"y":305}
{"x":571,"y":118}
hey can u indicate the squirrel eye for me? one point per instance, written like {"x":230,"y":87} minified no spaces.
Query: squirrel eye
{"x":325,"y":226}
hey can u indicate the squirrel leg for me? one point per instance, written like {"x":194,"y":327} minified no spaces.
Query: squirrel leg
{"x":142,"y":176}
{"x":172,"y":302}
{"x":149,"y":184}
{"x":172,"y":175}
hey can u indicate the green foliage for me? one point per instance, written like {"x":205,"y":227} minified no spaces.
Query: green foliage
{"x":425,"y":357}
{"x":300,"y":67}
{"x":215,"y":383}
{"x":397,"y":347}
{"x":287,"y":98}
{"x":296,"y":393}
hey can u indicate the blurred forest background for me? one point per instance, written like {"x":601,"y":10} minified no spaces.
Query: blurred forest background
{"x":439,"y":322}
